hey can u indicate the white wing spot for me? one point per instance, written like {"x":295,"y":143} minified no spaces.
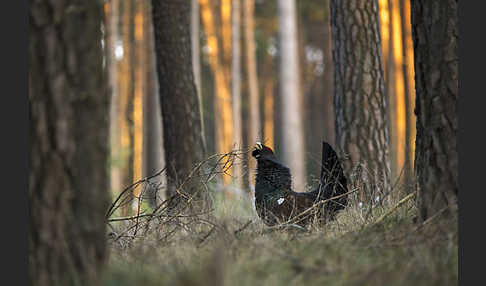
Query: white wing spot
{"x":280,"y":201}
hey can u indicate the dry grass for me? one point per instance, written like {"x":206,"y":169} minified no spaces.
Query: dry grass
{"x":349,"y":251}
{"x":230,"y":246}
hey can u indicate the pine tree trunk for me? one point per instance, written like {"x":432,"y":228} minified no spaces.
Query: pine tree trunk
{"x":125,"y":115}
{"x":223,"y":116}
{"x":389,"y":66}
{"x":328,"y":107}
{"x":292,"y":126}
{"x":398,"y":127}
{"x":268,"y":77}
{"x":255,"y":129}
{"x":68,"y":110}
{"x":226,"y":30}
{"x":183,"y":142}
{"x":154,"y":157}
{"x":113,"y":70}
{"x":138,"y":97}
{"x":435,"y":34}
{"x":409,"y":87}
{"x":359,"y":94}
{"x":196,"y":61}
{"x":236,"y":88}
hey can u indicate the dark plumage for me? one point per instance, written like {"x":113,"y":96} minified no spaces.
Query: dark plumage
{"x":275,"y":202}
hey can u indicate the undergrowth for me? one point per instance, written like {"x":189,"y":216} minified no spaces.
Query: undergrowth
{"x":231,"y":246}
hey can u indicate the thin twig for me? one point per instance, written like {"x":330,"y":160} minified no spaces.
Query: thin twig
{"x":294,"y":219}
{"x":243,"y":227}
{"x":110,"y":209}
{"x":201,"y":241}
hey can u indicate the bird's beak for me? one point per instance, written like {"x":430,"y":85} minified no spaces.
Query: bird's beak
{"x":258,"y":146}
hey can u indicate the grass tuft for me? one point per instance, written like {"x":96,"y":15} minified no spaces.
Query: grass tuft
{"x":233,"y":247}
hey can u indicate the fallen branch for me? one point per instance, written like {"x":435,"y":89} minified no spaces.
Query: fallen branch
{"x":400,"y":203}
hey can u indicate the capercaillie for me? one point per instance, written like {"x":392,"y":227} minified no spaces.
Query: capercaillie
{"x":276,"y":203}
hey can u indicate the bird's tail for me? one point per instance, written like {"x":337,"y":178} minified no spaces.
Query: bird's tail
{"x":333,"y":181}
{"x":332,"y":172}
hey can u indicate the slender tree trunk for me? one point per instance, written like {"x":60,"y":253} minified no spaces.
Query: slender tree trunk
{"x":319,"y":110}
{"x":107,"y":43}
{"x":138,"y":96}
{"x":125,"y":116}
{"x":328,"y":107}
{"x":359,"y":94}
{"x":268,"y":102}
{"x":196,"y":61}
{"x":178,"y":95}
{"x":409,"y":88}
{"x":223,"y":117}
{"x":393,"y":32}
{"x":254,"y":130}
{"x":113,"y":72}
{"x":399,"y":123}
{"x":292,"y":126}
{"x":236,"y":87}
{"x":388,"y":46}
{"x":154,"y":157}
{"x":226,"y":29}
{"x":68,"y":111}
{"x":435,"y":34}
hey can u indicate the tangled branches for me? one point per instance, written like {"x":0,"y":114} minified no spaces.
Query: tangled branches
{"x":188,"y":209}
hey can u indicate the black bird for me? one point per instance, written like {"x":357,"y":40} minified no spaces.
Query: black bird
{"x":276,"y":203}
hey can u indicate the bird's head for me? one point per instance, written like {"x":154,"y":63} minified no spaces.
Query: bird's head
{"x":261,"y":150}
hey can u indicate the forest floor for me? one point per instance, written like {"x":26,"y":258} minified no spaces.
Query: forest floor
{"x":235,"y":248}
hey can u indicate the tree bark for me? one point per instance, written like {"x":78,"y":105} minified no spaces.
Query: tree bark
{"x":223,"y":116}
{"x":255,"y":129}
{"x":196,"y":61}
{"x":435,"y":34}
{"x":268,"y":102}
{"x":328,"y":108}
{"x":236,"y":88}
{"x":113,"y":70}
{"x":125,"y":101}
{"x":389,"y":77}
{"x":400,"y":97}
{"x":183,"y":143}
{"x":154,"y":157}
{"x":68,"y":110}
{"x":138,"y":67}
{"x":409,"y":87}
{"x":292,"y":126}
{"x":226,"y":29}
{"x":359,"y":94}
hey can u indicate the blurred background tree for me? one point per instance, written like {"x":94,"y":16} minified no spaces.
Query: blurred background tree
{"x":226,"y":69}
{"x":69,"y":112}
{"x":165,"y":84}
{"x":397,"y":51}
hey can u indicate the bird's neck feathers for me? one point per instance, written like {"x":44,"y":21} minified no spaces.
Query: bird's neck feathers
{"x":271,"y":176}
